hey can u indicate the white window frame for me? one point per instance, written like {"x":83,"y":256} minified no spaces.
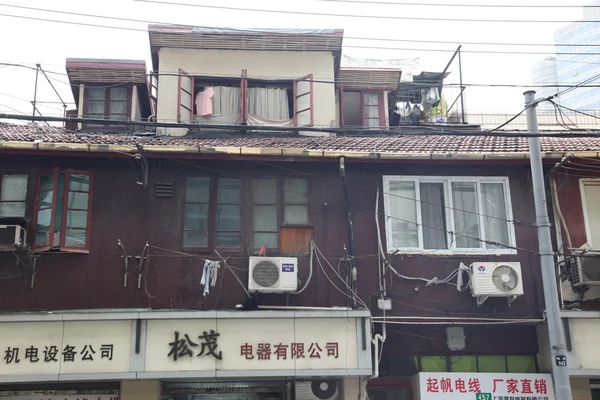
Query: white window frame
{"x":586,"y":215}
{"x":449,"y":214}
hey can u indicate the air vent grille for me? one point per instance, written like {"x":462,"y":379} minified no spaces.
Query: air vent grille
{"x":165,"y":189}
{"x":265,"y":274}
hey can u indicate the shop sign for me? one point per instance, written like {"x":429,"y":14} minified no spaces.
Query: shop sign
{"x":251,"y":344}
{"x":485,"y":386}
{"x":71,"y":347}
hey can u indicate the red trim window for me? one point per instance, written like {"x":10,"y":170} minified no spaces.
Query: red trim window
{"x":112,"y":103}
{"x":185,"y":97}
{"x":303,"y":101}
{"x":63,"y":210}
{"x":362,"y":108}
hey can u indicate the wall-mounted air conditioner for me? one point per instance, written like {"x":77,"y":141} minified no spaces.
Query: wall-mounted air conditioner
{"x":496,"y":279}
{"x":11,"y":236}
{"x":273,"y":274}
{"x":586,"y":269}
{"x":317,"y":390}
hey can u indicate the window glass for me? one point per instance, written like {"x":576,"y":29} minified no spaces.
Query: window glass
{"x":403,"y":214}
{"x":491,"y":363}
{"x":433,"y":364}
{"x":494,"y":210}
{"x":265,"y":213}
{"x":229,"y":213}
{"x":521,"y":364}
{"x":463,"y":364}
{"x":13,"y":195}
{"x":432,"y":215}
{"x":466,"y":218}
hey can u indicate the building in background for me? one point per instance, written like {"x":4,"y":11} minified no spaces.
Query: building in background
{"x":580,"y":39}
{"x":543,"y":75}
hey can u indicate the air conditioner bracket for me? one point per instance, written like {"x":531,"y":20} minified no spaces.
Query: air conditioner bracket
{"x":481,"y":299}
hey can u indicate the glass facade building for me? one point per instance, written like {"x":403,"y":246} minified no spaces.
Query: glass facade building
{"x":584,"y":63}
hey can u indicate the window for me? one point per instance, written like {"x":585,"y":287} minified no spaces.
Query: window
{"x":200,"y":204}
{"x":63,"y":211}
{"x":213,"y":213}
{"x":443,"y":214}
{"x":484,"y":363}
{"x":107,"y":103}
{"x":13,"y":194}
{"x":590,"y":190}
{"x":362,"y":109}
{"x":269,"y":209}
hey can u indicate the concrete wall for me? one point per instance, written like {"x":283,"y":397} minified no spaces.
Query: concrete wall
{"x":260,"y":65}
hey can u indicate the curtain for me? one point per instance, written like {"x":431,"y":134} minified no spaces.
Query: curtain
{"x":466,"y":218}
{"x":226,"y":107}
{"x":403,"y":213}
{"x":432,"y":215}
{"x":268,"y":103}
{"x":494,"y":211}
{"x":371,"y":109}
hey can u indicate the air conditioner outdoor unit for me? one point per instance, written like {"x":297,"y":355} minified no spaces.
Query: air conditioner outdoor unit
{"x":586,"y":270}
{"x":496,"y":279}
{"x":11,"y":235}
{"x":273,"y":274}
{"x":317,"y":390}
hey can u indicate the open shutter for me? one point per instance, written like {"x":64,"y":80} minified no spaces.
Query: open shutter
{"x":244,"y":97}
{"x":303,"y":101}
{"x":45,"y":210}
{"x":341,"y":93}
{"x":185,"y":97}
{"x":153,"y":93}
{"x":77,"y":211}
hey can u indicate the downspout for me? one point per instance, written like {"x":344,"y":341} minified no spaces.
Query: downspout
{"x":554,"y":190}
{"x":352,"y":267}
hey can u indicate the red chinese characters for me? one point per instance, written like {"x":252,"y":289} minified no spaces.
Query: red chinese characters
{"x":500,"y":386}
{"x":294,"y":351}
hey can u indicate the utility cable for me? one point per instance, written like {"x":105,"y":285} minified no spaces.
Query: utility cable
{"x":262,"y":32}
{"x":392,"y":17}
{"x":402,"y":3}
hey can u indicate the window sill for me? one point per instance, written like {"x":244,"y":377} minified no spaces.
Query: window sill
{"x":448,"y":253}
{"x":59,"y":251}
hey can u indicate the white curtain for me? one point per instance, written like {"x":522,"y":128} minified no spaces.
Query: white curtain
{"x":494,"y":209}
{"x":403,"y":213}
{"x":466,"y":218}
{"x":268,"y":104}
{"x":226,"y":107}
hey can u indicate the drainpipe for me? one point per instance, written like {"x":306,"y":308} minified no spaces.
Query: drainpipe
{"x":352,"y":267}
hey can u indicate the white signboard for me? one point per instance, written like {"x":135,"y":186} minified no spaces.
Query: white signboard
{"x":49,"y":348}
{"x":485,"y":386}
{"x":251,"y":344}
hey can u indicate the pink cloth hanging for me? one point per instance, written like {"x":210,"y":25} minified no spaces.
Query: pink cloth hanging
{"x":204,"y":102}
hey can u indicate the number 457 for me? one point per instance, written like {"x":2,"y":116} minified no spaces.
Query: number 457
{"x":483,"y":396}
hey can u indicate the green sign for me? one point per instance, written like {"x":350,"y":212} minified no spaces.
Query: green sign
{"x":483,"y":396}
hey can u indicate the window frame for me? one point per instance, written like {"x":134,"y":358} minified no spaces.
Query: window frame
{"x":107,"y":101}
{"x":449,"y":213}
{"x":584,"y":208}
{"x":381,"y":100}
{"x":281,"y":204}
{"x":62,"y":232}
{"x":212,"y":215}
{"x":27,"y":188}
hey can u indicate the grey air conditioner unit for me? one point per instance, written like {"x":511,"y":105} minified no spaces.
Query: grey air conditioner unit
{"x":586,"y":270}
{"x":11,"y":236}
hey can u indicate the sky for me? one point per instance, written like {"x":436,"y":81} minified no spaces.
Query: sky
{"x":26,"y":41}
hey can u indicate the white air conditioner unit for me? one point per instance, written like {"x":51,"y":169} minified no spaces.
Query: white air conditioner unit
{"x":496,"y":279}
{"x":273,"y":274}
{"x":11,"y":236}
{"x":318,"y":390}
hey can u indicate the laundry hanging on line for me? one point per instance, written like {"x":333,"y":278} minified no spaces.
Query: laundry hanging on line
{"x":209,"y":275}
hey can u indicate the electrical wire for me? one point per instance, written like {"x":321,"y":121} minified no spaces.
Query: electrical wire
{"x":346,"y":46}
{"x":392,"y":17}
{"x":257,"y":31}
{"x":402,"y":3}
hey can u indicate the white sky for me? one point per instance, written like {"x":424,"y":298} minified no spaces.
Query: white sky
{"x":48,"y":43}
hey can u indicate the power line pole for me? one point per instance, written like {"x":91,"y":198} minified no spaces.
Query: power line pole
{"x":560,"y":369}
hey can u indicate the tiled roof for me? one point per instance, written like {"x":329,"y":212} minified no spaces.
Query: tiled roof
{"x":439,"y":144}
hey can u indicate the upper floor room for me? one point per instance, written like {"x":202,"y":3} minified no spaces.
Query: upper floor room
{"x":238,"y":78}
